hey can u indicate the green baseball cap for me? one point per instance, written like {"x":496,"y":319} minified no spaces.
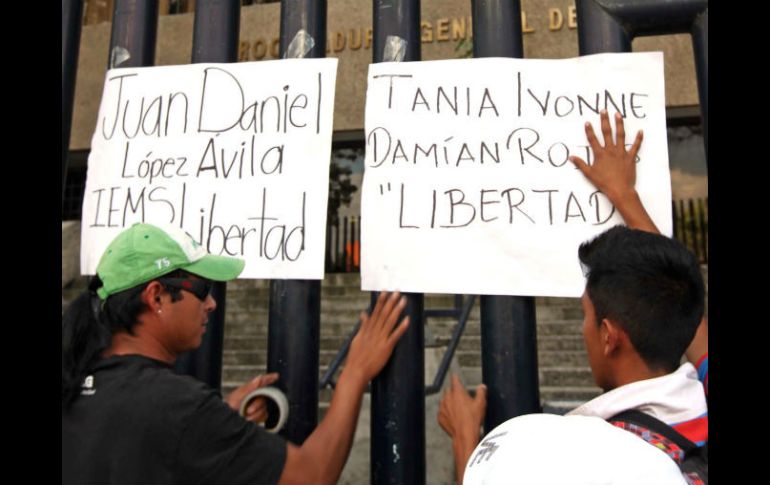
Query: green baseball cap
{"x":144,"y":252}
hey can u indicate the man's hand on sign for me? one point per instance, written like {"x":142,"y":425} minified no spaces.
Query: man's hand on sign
{"x":377,"y":336}
{"x":614,"y":171}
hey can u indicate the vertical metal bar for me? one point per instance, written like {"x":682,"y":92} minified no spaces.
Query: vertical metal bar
{"x":345,"y":244}
{"x":508,"y":324}
{"x":398,"y":406}
{"x":702,"y":231}
{"x":328,"y":255}
{"x":684,"y":222}
{"x":706,"y":206}
{"x":337,"y":244}
{"x":71,"y":13}
{"x":134,"y":29}
{"x":295,"y":305}
{"x":353,"y":244}
{"x":303,"y":15}
{"x":293,"y":351}
{"x":675,"y":221}
{"x":598,"y":31}
{"x":216,"y":29}
{"x":497,"y":28}
{"x":700,"y":44}
{"x":693,"y":230}
{"x":509,"y":358}
{"x":358,"y":238}
{"x":398,"y":393}
{"x":215,"y":39}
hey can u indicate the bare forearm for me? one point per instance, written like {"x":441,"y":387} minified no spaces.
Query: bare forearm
{"x":462,"y":448}
{"x":321,"y":458}
{"x":327,"y":448}
{"x":633,"y":212}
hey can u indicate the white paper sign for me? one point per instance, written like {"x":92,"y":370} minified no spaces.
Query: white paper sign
{"x":235,"y":154}
{"x":467,"y":185}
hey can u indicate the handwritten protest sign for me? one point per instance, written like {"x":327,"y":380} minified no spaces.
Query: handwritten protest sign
{"x":467,"y":185}
{"x":237,"y":155}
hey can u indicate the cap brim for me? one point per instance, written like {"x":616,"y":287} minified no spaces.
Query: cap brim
{"x":217,"y":268}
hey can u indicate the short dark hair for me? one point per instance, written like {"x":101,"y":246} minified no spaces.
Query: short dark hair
{"x":648,"y":284}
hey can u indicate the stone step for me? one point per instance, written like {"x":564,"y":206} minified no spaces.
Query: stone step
{"x":327,"y":342}
{"x":545,"y":359}
{"x":330,"y":319}
{"x":241,"y":374}
{"x":558,"y":400}
{"x":243,"y":357}
{"x":471,"y":337}
{"x":257,"y":341}
{"x":566,"y":377}
{"x":249,"y":343}
{"x":472,"y":329}
{"x":578,"y":394}
{"x":238,"y":350}
{"x":557,"y":301}
{"x":236,"y":317}
{"x":245,"y":307}
{"x":244,"y":372}
{"x":330,"y":279}
{"x":347,"y":310}
{"x":341,"y":295}
{"x":560,"y":342}
{"x":544,"y":342}
{"x":548,"y":376}
{"x":258,"y":356}
{"x":257,"y":324}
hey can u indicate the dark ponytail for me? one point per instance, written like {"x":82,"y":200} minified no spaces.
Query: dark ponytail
{"x":87,"y":328}
{"x":83,"y":338}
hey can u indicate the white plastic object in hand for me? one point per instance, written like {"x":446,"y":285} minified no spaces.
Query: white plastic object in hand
{"x":275,"y":395}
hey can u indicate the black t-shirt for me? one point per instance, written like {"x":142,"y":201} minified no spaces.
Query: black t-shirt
{"x":137,"y":422}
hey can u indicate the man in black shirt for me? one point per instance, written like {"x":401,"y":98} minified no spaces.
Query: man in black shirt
{"x":127,"y":418}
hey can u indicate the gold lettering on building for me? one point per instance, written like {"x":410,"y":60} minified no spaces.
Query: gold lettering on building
{"x":555,"y":19}
{"x":426,"y":31}
{"x":572,"y":17}
{"x":243,"y":51}
{"x":525,"y":28}
{"x":458,"y":28}
{"x":355,"y":41}
{"x":442,"y":29}
{"x":339,"y":41}
{"x":259,"y":49}
{"x":368,"y":37}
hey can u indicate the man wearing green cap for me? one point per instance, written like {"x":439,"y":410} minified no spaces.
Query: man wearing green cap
{"x":128,"y":418}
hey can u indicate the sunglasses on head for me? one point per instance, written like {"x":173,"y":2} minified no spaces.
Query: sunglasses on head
{"x":198,"y":287}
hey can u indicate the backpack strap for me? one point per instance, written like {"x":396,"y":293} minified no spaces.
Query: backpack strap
{"x":692,"y":460}
{"x":655,"y":432}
